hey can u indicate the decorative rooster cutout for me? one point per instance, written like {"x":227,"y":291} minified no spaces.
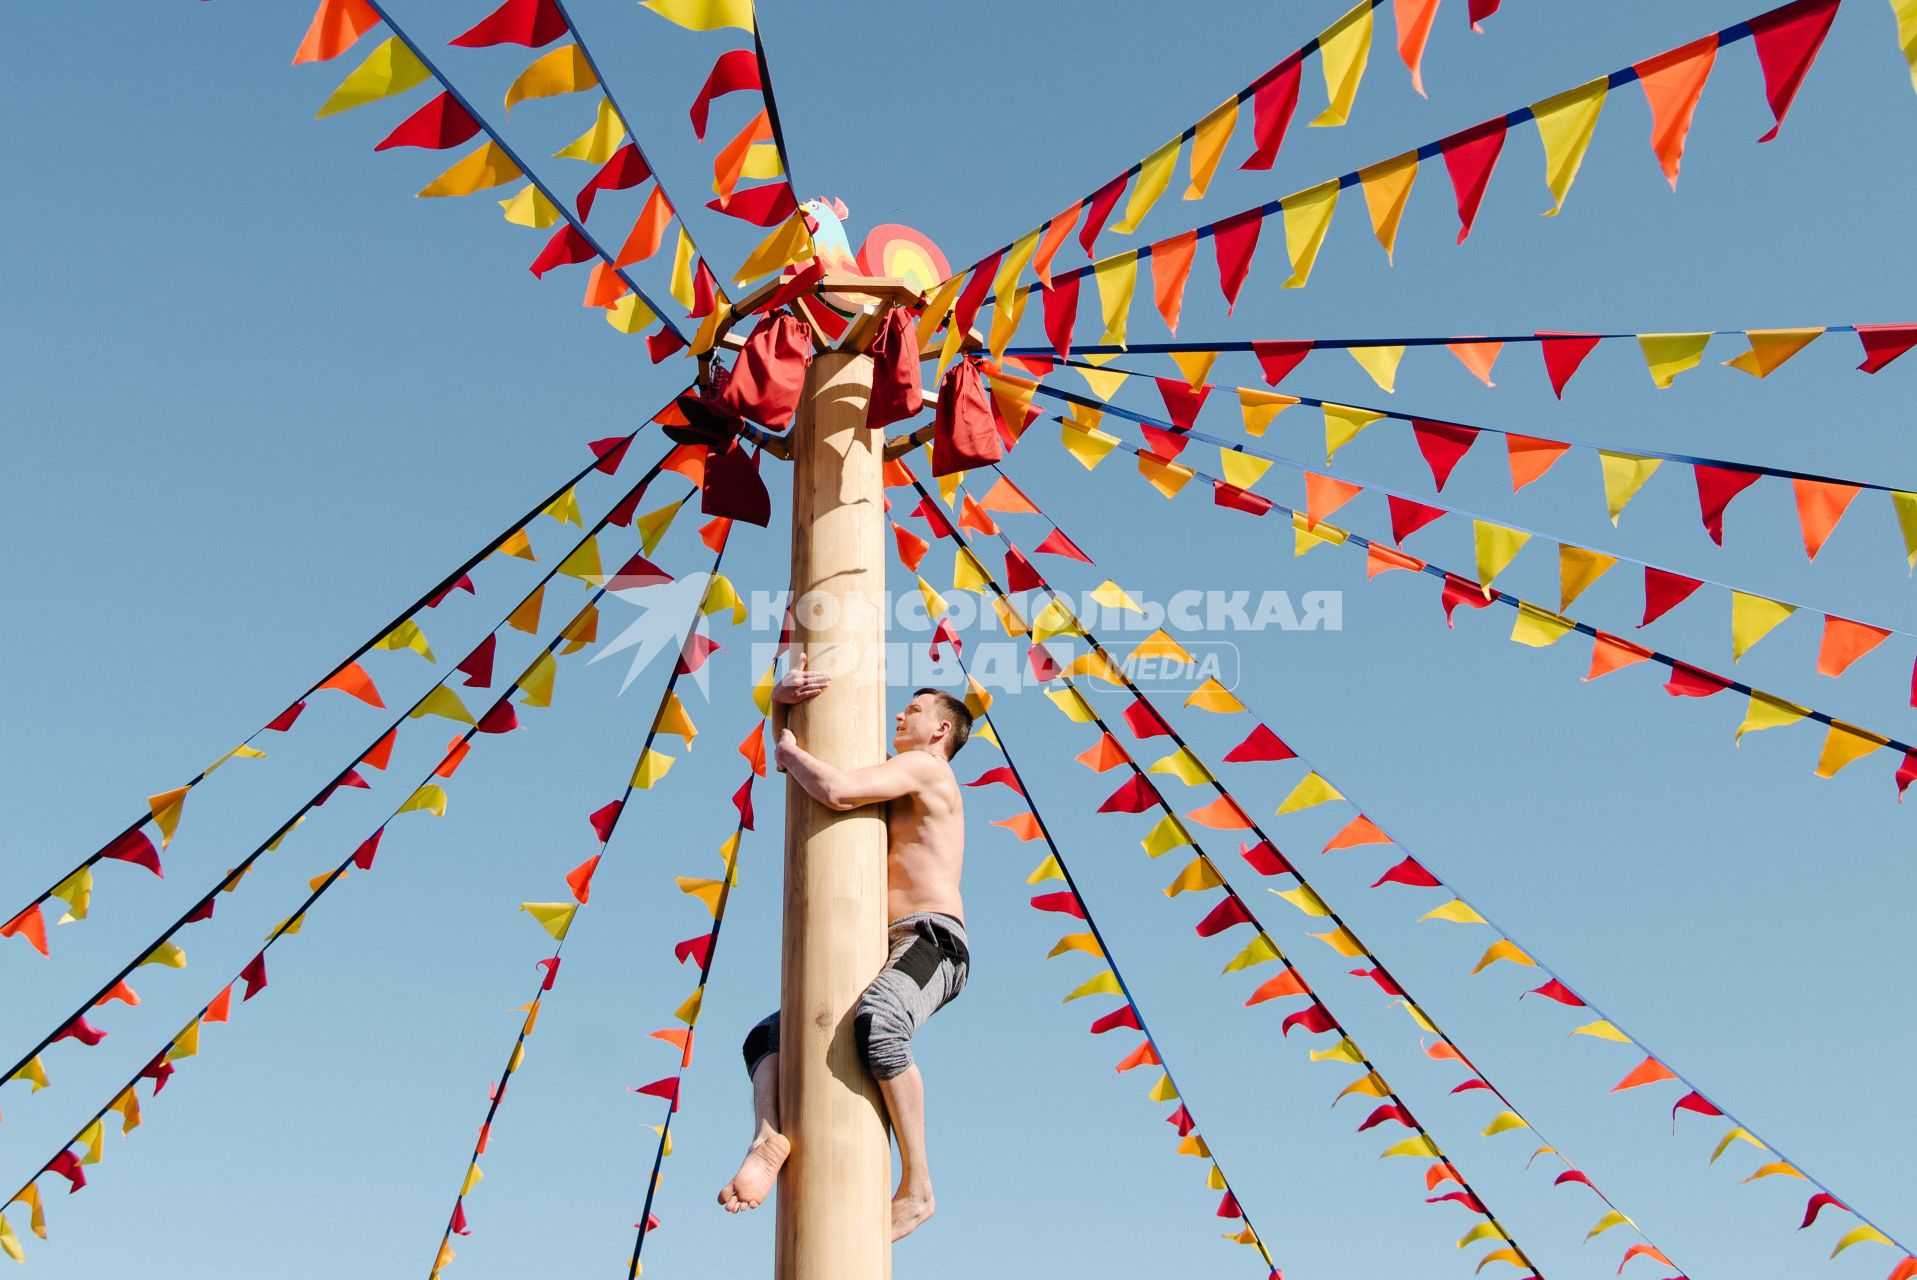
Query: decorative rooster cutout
{"x":889,"y":249}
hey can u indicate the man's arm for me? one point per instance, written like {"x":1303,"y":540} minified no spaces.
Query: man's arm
{"x":841,"y":789}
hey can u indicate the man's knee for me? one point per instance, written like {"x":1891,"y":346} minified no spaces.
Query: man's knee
{"x":761,"y":1043}
{"x":884,"y":1040}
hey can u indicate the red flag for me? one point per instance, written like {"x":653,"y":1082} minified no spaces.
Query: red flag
{"x":1265,"y":859}
{"x":363,"y":856}
{"x":626,"y":169}
{"x":1563,"y":353}
{"x":1313,"y":1018}
{"x":698,"y":648}
{"x":1663,"y":592}
{"x":1464,"y":1198}
{"x":610,"y":452}
{"x":1135,"y":796}
{"x":529,"y":22}
{"x":1061,"y":313}
{"x":1689,"y":682}
{"x":458,"y":1226}
{"x":1411,"y":872}
{"x":604,"y":819}
{"x":1787,"y":41}
{"x":972,"y":296}
{"x":1165,"y":445}
{"x":1274,"y":99}
{"x":1000,"y":774}
{"x":1469,"y":157}
{"x":1181,"y":1120}
{"x":742,"y":801}
{"x":1260,"y":744}
{"x":1443,"y":444}
{"x":1387,"y":1111}
{"x":499,"y":718}
{"x":159,"y":1071}
{"x":1228,"y":1207}
{"x":1388,"y":985}
{"x":1064,"y":902}
{"x":662,"y":344}
{"x":1117,"y":1019}
{"x":135,"y":847}
{"x":1019,"y":573}
{"x":1906,"y":774}
{"x":1694,"y":1102}
{"x":284,"y":720}
{"x":1234,"y":241}
{"x":67,"y":1165}
{"x":1555,"y":990}
{"x":1479,"y":10}
{"x":1276,"y":359}
{"x":1144,"y":722}
{"x":1227,"y":913}
{"x":254,"y":976}
{"x":1098,"y":208}
{"x":667,"y":1088}
{"x":1057,"y":544}
{"x":463,"y":583}
{"x":1182,"y":402}
{"x":1233,"y":498}
{"x":566,"y":247}
{"x":551,"y":965}
{"x":1816,"y":1206}
{"x":762,"y":206}
{"x":1407,"y":517}
{"x":638,"y":572}
{"x":736,"y":70}
{"x":1044,"y":667}
{"x":1459,"y":591}
{"x":1716,"y":486}
{"x":698,"y":950}
{"x":928,"y":511}
{"x":1884,"y":343}
{"x":83,"y":1031}
{"x":477,"y":666}
{"x":441,"y":123}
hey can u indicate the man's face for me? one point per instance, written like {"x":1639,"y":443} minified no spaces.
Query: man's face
{"x":914,"y":727}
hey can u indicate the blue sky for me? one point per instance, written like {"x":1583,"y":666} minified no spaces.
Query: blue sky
{"x":264,"y":397}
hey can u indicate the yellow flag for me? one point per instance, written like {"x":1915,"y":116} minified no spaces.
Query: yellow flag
{"x":1104,"y":383}
{"x":1624,"y":475}
{"x":1753,"y":618}
{"x":1112,"y":596}
{"x":652,"y":766}
{"x":1736,"y":1134}
{"x":1843,"y":745}
{"x":1307,"y":218}
{"x":1086,"y":942}
{"x":673,"y":719}
{"x":391,"y":68}
{"x":1343,"y":1051}
{"x":1457,"y":911}
{"x":1198,"y":875}
{"x":688,"y":1012}
{"x":186,"y":1044}
{"x":1208,"y":144}
{"x":704,"y":15}
{"x":1857,"y":1235}
{"x":1537,"y":628}
{"x":1163,"y":1091}
{"x":1160,"y":645}
{"x":536,"y":683}
{"x":1609,"y":1220}
{"x":407,"y":635}
{"x":679,"y":282}
{"x":968,"y":574}
{"x":518,"y":545}
{"x":1381,"y":363}
{"x":1766,"y":711}
{"x":1169,"y":834}
{"x":1504,"y":1122}
{"x":563,"y":70}
{"x":1260,"y":407}
{"x":1502,"y":949}
{"x":166,"y":808}
{"x":788,"y":243}
{"x":170,"y":954}
{"x":1305,"y":899}
{"x":1214,"y":697}
{"x":1194,"y":1145}
{"x":629,"y":315}
{"x":1182,"y":765}
{"x":597,"y":144}
{"x":1602,"y":1029}
{"x":554,"y":917}
{"x":1342,"y":425}
{"x":1104,"y":983}
{"x":1770,"y":348}
{"x":430,"y":798}
{"x":1906,"y":13}
{"x":1307,"y":537}
{"x":1046,"y":870}
{"x":1387,"y":186}
{"x":706,"y":891}
{"x":1483,"y":1231}
{"x":1497,"y":548}
{"x":77,"y":892}
{"x":1419,"y":1145}
{"x":1669,"y":354}
{"x":1154,"y":175}
{"x":441,"y":701}
{"x":472,"y":1179}
{"x":1116,"y":278}
{"x":1011,"y":304}
{"x":1577,"y":570}
{"x":653,"y":525}
{"x":1565,"y":124}
{"x":1095,"y":664}
{"x":1241,"y":470}
{"x":35,"y":1072}
{"x":93,"y":1138}
{"x":1260,"y":950}
{"x":1195,"y":365}
{"x":1055,"y":620}
{"x":487,"y":166}
{"x":10,"y":1242}
{"x":1344,"y":48}
{"x":1072,"y":703}
{"x":1313,"y":790}
{"x":528,"y":207}
{"x":1166,"y":477}
{"x":935,"y":606}
{"x":721,"y":594}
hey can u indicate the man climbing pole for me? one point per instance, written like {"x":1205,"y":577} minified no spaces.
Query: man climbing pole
{"x":927,"y":960}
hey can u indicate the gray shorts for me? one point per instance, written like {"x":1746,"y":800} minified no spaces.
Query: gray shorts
{"x":927,"y":962}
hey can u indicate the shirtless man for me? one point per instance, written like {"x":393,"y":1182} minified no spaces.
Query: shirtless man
{"x":926,"y":962}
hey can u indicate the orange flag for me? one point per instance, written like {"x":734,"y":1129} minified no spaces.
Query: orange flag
{"x":648,"y":231}
{"x":1649,"y":1071}
{"x":1049,"y":244}
{"x":1820,"y":505}
{"x":352,"y":678}
{"x":1324,"y":495}
{"x":1478,"y":357}
{"x":1171,"y":264}
{"x":1360,"y":830}
{"x":1382,"y":559}
{"x":1022,"y":825}
{"x":1287,"y":983}
{"x":729,"y":165}
{"x":1672,"y":83}
{"x":1222,"y":814}
{"x":1005,"y":498}
{"x":1608,"y":654}
{"x":1414,"y":28}
{"x":1531,"y":458}
{"x":1102,"y":755}
{"x":336,"y":25}
{"x":1844,"y":643}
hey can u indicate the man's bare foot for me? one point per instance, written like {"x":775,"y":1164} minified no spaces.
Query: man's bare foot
{"x":910,"y":1212}
{"x":757,"y":1172}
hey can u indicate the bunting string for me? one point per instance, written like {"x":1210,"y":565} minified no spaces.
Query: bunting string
{"x":1204,"y":873}
{"x":1563,"y":351}
{"x":1345,"y":48}
{"x":1787,"y":39}
{"x":575,"y":232}
{"x":428,"y":797}
{"x":1537,"y":627}
{"x":440,"y":700}
{"x":1443,"y":444}
{"x":558,"y":918}
{"x":1416,"y":871}
{"x":75,"y":885}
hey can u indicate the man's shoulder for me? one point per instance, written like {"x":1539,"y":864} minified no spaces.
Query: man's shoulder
{"x":928,"y":766}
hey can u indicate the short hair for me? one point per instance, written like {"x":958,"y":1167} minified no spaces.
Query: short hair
{"x":957,"y":712}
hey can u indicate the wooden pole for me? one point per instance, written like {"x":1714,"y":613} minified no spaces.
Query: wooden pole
{"x":834,"y":1195}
